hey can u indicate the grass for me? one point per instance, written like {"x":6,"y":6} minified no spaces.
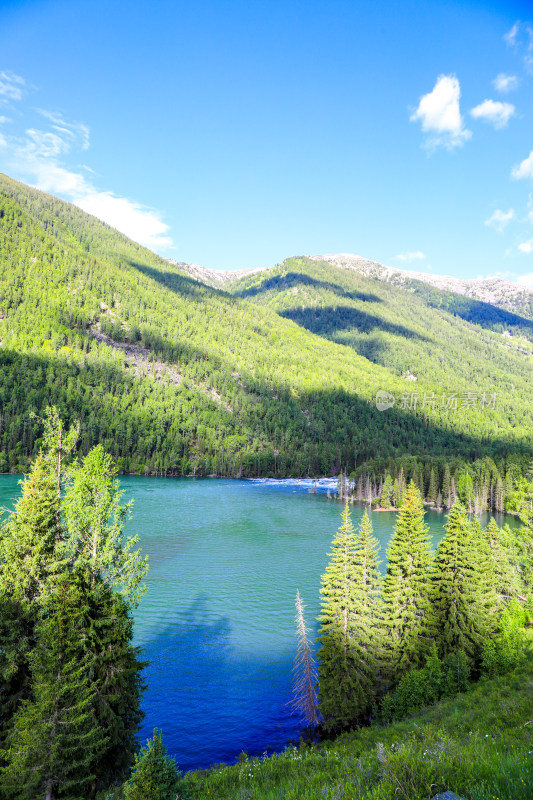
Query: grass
{"x":478,"y":745}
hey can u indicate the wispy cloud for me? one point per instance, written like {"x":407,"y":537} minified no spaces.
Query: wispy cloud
{"x":71,"y":130}
{"x":526,"y":280}
{"x":11,"y":86}
{"x":526,"y":247}
{"x":500,"y":219}
{"x":416,"y":255}
{"x":494,"y":112}
{"x":505,"y":83}
{"x":520,"y":38}
{"x":41,"y":155}
{"x":524,"y":169}
{"x":511,"y":36}
{"x":440,"y":114}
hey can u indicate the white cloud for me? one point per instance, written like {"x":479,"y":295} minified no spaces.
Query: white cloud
{"x":495,"y":112}
{"x":520,"y":38}
{"x":440,"y":114}
{"x":40,"y":158}
{"x":72,"y":130}
{"x":511,"y":36}
{"x":417,"y":255}
{"x":505,"y":83}
{"x":132,"y":219}
{"x":500,"y":219}
{"x":526,"y":280}
{"x":526,"y":247}
{"x":524,"y":169}
{"x":11,"y":86}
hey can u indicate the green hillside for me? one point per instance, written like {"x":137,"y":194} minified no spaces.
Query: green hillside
{"x":173,"y":376}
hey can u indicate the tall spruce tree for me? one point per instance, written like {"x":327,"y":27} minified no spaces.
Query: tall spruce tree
{"x":406,"y":590}
{"x":386,"y":492}
{"x":367,"y":633}
{"x":338,"y":665}
{"x":55,"y":740}
{"x":462,"y":598}
{"x":350,"y":626}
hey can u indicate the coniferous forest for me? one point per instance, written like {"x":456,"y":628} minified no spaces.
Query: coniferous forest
{"x":113,"y":361}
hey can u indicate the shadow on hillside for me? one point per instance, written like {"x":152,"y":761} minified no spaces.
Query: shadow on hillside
{"x":330,"y":319}
{"x":180,"y":284}
{"x":296,"y":279}
{"x":296,"y":430}
{"x":475,"y":311}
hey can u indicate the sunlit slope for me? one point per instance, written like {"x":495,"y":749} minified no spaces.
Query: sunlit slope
{"x":174,"y":376}
{"x":410,"y":334}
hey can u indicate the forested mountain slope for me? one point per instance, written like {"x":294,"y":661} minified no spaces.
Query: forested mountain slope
{"x":175,"y":376}
{"x":403,"y":332}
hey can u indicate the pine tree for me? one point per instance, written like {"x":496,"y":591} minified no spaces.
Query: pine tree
{"x":446,"y":486}
{"x":155,"y":775}
{"x":338,"y":665}
{"x":501,"y":567}
{"x":28,"y":542}
{"x":399,"y":489}
{"x":433,"y":488}
{"x":406,"y":590}
{"x":461,"y":599}
{"x":95,"y":522}
{"x":366,"y":611}
{"x":55,"y":740}
{"x":386,"y":492}
{"x":28,"y":562}
{"x":305,"y":672}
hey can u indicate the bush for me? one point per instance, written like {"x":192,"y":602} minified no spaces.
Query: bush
{"x":155,"y":775}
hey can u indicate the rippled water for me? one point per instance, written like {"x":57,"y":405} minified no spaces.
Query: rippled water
{"x":217,"y":622}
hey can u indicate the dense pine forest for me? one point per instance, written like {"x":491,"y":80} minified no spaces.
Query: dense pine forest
{"x":277,"y":377}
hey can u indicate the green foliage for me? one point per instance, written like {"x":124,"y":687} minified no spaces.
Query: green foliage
{"x":463,"y":601}
{"x":406,"y":590}
{"x":171,"y":376}
{"x":70,"y":679}
{"x":350,"y":633}
{"x":54,"y":741}
{"x":386,"y":494}
{"x":155,"y":775}
{"x":504,"y":651}
{"x":95,"y":522}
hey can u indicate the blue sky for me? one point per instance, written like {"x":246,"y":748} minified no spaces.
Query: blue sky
{"x":235,"y":134}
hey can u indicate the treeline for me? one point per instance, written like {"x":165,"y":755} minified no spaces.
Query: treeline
{"x":433,"y":623}
{"x":485,"y":484}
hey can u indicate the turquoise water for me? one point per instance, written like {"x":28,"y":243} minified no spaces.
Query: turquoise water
{"x":217,"y":622}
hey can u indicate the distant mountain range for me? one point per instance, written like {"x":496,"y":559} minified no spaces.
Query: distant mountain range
{"x":501,"y":293}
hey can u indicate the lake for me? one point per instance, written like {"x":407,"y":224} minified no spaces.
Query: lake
{"x":217,"y":622}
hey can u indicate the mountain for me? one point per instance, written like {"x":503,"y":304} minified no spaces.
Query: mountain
{"x":175,"y":376}
{"x":496,"y":291}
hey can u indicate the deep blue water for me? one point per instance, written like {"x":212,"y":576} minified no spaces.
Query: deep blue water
{"x":217,"y":622}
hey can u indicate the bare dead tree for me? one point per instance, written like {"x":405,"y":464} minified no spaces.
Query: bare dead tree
{"x":305,"y":673}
